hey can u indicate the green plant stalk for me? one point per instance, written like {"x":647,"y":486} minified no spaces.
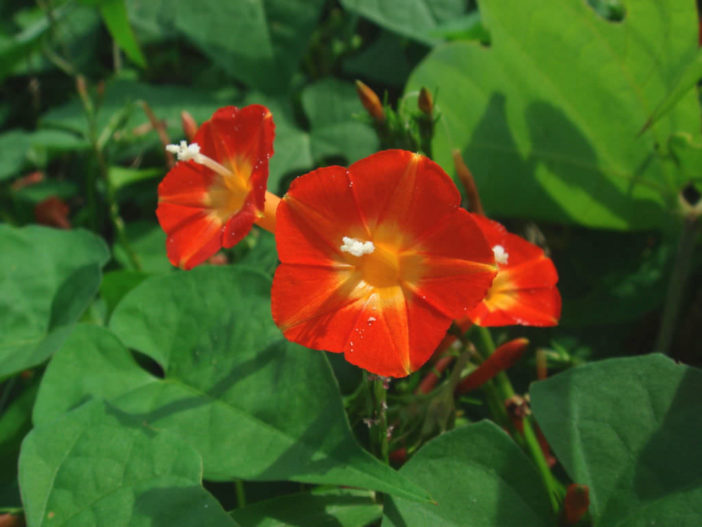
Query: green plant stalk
{"x":240,"y":493}
{"x":117,"y":221}
{"x":380,"y":417}
{"x":678,"y":283}
{"x":97,"y":144}
{"x":7,"y":389}
{"x":528,"y":440}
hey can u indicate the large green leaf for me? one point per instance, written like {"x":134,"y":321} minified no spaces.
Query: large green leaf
{"x":548,"y":117}
{"x":253,"y":405}
{"x":417,"y":19}
{"x":332,"y":107}
{"x":47,"y":279}
{"x":318,"y":508}
{"x":629,"y":429}
{"x":97,"y":467}
{"x":478,"y":476}
{"x":257,"y":41}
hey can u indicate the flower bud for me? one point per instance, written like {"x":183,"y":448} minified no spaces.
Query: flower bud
{"x":53,"y":212}
{"x":189,"y":125}
{"x":575,"y":504}
{"x":425,"y":101}
{"x":370,"y":101}
{"x":468,"y":183}
{"x":504,"y":357}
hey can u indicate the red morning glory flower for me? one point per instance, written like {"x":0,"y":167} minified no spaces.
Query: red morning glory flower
{"x":377,"y":260}
{"x":217,"y":190}
{"x":524,"y":290}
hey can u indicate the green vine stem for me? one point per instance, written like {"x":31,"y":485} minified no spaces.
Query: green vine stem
{"x":98,"y":144}
{"x":240,"y":493}
{"x":678,"y":283}
{"x":379,"y":422}
{"x":527,"y":439}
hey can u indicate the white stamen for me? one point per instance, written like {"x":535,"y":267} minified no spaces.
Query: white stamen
{"x":356,"y":247}
{"x":185,"y":151}
{"x":501,"y":256}
{"x":191,"y":152}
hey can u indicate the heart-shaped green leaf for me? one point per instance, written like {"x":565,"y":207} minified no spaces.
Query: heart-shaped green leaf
{"x":97,"y":467}
{"x":47,"y":279}
{"x":478,"y":476}
{"x":548,"y":116}
{"x":254,"y":406}
{"x":630,"y":430}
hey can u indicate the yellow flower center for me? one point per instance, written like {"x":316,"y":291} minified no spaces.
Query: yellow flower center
{"x":381,"y":268}
{"x":228,"y":194}
{"x":382,"y":264}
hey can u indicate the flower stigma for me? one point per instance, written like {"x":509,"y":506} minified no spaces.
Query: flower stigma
{"x":501,"y":256}
{"x":356,"y":247}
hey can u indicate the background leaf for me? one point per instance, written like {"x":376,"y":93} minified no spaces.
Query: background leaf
{"x":478,"y":476}
{"x":47,"y":279}
{"x":114,"y":13}
{"x":629,"y":429}
{"x":561,"y":143}
{"x":15,"y":145}
{"x":333,"y":110}
{"x":96,"y":467}
{"x":256,"y":41}
{"x":412,"y":18}
{"x":253,"y":405}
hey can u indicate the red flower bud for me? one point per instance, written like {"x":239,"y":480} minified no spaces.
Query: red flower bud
{"x":425,"y":101}
{"x":10,"y":520}
{"x":189,"y":125}
{"x":27,"y":181}
{"x":53,"y":212}
{"x":370,"y":101}
{"x":505,"y":357}
{"x":431,"y":378}
{"x":575,"y":505}
{"x":466,"y":178}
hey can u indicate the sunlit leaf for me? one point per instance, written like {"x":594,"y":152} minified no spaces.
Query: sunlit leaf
{"x":548,"y":117}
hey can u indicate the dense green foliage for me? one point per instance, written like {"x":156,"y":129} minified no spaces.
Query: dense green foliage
{"x":133,"y":393}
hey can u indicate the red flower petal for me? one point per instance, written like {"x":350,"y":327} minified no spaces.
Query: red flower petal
{"x":202,"y":211}
{"x":386,"y":309}
{"x":524,"y":290}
